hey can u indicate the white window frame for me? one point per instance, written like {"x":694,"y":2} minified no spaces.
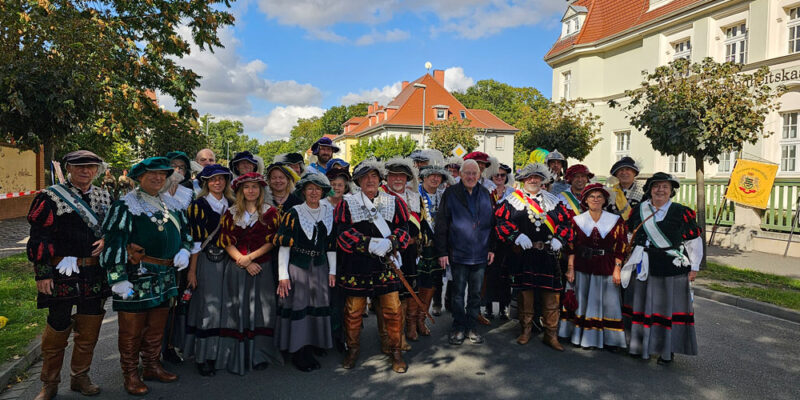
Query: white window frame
{"x":677,"y":164}
{"x":793,"y":27}
{"x":682,"y":49}
{"x":736,"y":43}
{"x":726,"y":162}
{"x":500,"y":143}
{"x":463,"y":114}
{"x":623,"y":144}
{"x":573,"y":25}
{"x":566,"y":84}
{"x":789,"y":142}
{"x":441,"y":114}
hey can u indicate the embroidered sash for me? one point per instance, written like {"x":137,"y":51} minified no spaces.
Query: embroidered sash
{"x":657,"y":238}
{"x":536,"y":209}
{"x":572,"y":202}
{"x":76,"y":203}
{"x":622,"y":203}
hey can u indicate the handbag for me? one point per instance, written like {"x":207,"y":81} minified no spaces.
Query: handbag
{"x":570,"y":301}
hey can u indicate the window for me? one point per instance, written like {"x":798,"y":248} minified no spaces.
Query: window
{"x":500,"y":143}
{"x":441,"y":114}
{"x":573,"y":26}
{"x":683,"y":49}
{"x":726,"y":161}
{"x":789,"y":143}
{"x":623,"y":144}
{"x":463,"y":114}
{"x":566,"y":79}
{"x":677,"y":164}
{"x":794,"y":30}
{"x":736,"y":44}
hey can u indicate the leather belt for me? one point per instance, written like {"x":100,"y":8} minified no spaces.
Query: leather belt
{"x":588,"y":252}
{"x":540,"y":245}
{"x":82,"y":261}
{"x":312,"y":253}
{"x":158,"y":261}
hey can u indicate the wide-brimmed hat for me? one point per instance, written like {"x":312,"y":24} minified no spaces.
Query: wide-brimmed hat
{"x":289,"y":158}
{"x":323,"y":141}
{"x":398,"y":165}
{"x":660,"y":177}
{"x":332,"y":174}
{"x":335,"y":161}
{"x":180,"y":156}
{"x":151,"y":164}
{"x":313,"y":178}
{"x":285,"y":169}
{"x":577,"y":169}
{"x":213,"y":170}
{"x":624,"y":162}
{"x":594,"y":187}
{"x":249,"y":177}
{"x":535,"y":169}
{"x":478,"y":156}
{"x":245,"y":156}
{"x":506,"y":169}
{"x":436,"y":170}
{"x":364,"y":167}
{"x":453,"y":162}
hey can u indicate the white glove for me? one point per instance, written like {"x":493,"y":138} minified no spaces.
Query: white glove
{"x":380,"y":247}
{"x":181,"y":260}
{"x":197,"y":247}
{"x":67,"y":266}
{"x":555,"y":244}
{"x":124,"y":289}
{"x":284,"y":254}
{"x":523,"y":241}
{"x":398,"y":261}
{"x":331,"y":263}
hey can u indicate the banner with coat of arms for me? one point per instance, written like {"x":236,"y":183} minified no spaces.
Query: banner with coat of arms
{"x":751,"y":183}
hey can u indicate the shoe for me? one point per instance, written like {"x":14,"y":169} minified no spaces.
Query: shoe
{"x":483,"y":321}
{"x":261,"y":366}
{"x":504,"y":314}
{"x":86,"y":331}
{"x":53,"y":344}
{"x":152,"y":369}
{"x":475,"y":337}
{"x":436,"y":311}
{"x":172,"y":356}
{"x":131,"y":330}
{"x":320,"y":352}
{"x":309,"y":354}
{"x":456,"y":338}
{"x":613,"y":349}
{"x":662,"y":361}
{"x":398,"y":364}
{"x":206,"y":369}
{"x":300,"y":362}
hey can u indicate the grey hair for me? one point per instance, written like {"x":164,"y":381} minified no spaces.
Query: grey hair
{"x":470,"y":162}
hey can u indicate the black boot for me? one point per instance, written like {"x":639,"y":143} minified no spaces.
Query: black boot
{"x":309,"y":355}
{"x":206,"y":368}
{"x":300,"y":361}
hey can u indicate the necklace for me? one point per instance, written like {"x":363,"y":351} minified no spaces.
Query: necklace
{"x":533,"y":217}
{"x":152,"y":215}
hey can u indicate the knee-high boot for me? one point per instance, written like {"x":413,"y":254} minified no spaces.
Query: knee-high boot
{"x":410,"y":318}
{"x":53,"y":344}
{"x":353,"y":313}
{"x":87,"y":330}
{"x":525,"y":307}
{"x":382,"y":334}
{"x":151,"y":346}
{"x":390,"y":308}
{"x":131,"y":330}
{"x":550,"y":312}
{"x":425,"y":295}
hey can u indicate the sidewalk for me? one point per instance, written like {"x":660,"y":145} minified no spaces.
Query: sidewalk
{"x":13,"y":236}
{"x":756,"y":261}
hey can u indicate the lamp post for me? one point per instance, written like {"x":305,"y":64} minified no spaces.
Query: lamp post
{"x":424,"y":90}
{"x":228,"y":152}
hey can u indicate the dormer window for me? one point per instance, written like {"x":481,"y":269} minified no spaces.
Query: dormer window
{"x":573,"y":26}
{"x":463,"y":114}
{"x":573,"y":20}
{"x":441,"y":111}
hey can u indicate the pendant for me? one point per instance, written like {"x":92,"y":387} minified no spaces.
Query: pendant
{"x":538,"y":229}
{"x":161,"y":228}
{"x":149,"y":214}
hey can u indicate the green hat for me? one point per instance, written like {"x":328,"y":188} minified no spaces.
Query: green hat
{"x":315,"y":179}
{"x":181,"y":156}
{"x":151,"y":164}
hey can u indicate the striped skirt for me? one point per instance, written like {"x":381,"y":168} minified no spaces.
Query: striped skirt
{"x":304,"y":316}
{"x":203,"y":319}
{"x":660,"y":316}
{"x":598,"y":320}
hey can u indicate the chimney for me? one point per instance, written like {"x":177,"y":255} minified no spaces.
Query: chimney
{"x":405,"y":83}
{"x":370,"y":110}
{"x":375,"y":106}
{"x":438,"y":76}
{"x":390,"y":112}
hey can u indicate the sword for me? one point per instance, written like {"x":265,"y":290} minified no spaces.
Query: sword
{"x":391,"y":263}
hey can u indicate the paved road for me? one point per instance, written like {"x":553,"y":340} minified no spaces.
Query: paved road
{"x":743,"y":355}
{"x":13,"y":236}
{"x":756,"y":261}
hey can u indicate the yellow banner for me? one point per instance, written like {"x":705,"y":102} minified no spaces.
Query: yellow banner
{"x":751,"y":183}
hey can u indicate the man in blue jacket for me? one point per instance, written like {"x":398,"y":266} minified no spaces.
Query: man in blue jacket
{"x":464,"y":240}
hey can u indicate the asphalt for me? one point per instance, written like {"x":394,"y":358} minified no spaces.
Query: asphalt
{"x":743,"y":355}
{"x":756,"y":261}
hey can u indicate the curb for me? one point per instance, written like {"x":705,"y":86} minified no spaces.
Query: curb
{"x":15,"y":367}
{"x":748,"y":304}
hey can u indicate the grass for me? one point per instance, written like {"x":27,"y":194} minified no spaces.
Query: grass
{"x":18,"y":304}
{"x":775,"y":289}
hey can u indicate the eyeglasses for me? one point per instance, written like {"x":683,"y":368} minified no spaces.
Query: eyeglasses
{"x":501,"y":175}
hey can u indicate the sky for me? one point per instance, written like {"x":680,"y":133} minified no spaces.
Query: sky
{"x":290,"y":59}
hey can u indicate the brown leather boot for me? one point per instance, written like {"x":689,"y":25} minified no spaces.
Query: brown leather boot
{"x":353,"y":313}
{"x":131,"y":329}
{"x":404,"y":346}
{"x":390,"y":307}
{"x":384,"y":337}
{"x":426,"y":295}
{"x":525,"y":300}
{"x":87,"y":330}
{"x":151,"y":347}
{"x":550,"y":312}
{"x":53,"y":344}
{"x":411,"y":318}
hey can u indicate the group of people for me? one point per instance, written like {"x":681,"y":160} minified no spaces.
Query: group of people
{"x":242,"y":267}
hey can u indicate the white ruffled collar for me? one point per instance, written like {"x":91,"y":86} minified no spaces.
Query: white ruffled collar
{"x":136,"y":207}
{"x":604,"y":224}
{"x":383,"y":202}
{"x":248,"y":219}
{"x":306,"y":216}
{"x":180,"y":200}
{"x":219,"y":206}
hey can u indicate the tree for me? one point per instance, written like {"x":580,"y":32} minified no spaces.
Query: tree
{"x":70,"y":66}
{"x":270,"y":149}
{"x":567,"y":126}
{"x":703,"y":110}
{"x":331,"y":122}
{"x":509,"y":103}
{"x":447,"y":135}
{"x":382,"y":148}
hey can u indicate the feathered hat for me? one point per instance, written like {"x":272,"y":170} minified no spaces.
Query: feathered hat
{"x":437,"y":170}
{"x":364,"y":167}
{"x":405,"y":166}
{"x":530,"y":170}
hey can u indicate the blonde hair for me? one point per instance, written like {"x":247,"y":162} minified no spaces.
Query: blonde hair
{"x":227,"y":193}
{"x":240,"y":206}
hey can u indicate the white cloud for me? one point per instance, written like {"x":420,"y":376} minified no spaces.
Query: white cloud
{"x":278,"y":123}
{"x":381,"y":95}
{"x":456,"y":81}
{"x":394,"y":35}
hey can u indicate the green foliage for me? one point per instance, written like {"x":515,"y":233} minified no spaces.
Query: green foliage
{"x":509,"y":103}
{"x":331,"y":122}
{"x":445,"y":136}
{"x":382,"y":148}
{"x":269,"y":150}
{"x":224,"y":131}
{"x":568,"y":126}
{"x":18,"y":304}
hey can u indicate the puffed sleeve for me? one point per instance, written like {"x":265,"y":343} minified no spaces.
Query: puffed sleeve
{"x":285,"y":235}
{"x":40,"y":247}
{"x":117,"y":228}
{"x":620,"y":235}
{"x":506,"y":230}
{"x":689,"y":230}
{"x":271,"y":220}
{"x":563,"y":224}
{"x":226,"y":231}
{"x":198,"y":221}
{"x":348,"y":239}
{"x":400,"y":236}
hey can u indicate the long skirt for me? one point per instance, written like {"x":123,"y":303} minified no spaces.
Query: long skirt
{"x":304,"y":316}
{"x":247,"y":334}
{"x":598,"y":320}
{"x":203,"y":325}
{"x":661,"y":317}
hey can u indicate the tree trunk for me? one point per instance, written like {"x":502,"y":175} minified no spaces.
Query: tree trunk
{"x":701,"y":203}
{"x":49,"y":153}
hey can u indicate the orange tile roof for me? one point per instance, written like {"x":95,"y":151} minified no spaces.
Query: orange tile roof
{"x":408,"y":104}
{"x":606,"y":18}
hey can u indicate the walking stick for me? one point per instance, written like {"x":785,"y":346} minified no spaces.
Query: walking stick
{"x":794,"y":225}
{"x":402,"y":277}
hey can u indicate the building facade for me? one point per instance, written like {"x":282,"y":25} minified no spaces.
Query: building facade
{"x":605,"y":45}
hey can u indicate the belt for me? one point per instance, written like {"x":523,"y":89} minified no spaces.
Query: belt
{"x":588,"y":252}
{"x":312,"y":253}
{"x":82,"y":261}
{"x":540,"y":245}
{"x":158,"y":261}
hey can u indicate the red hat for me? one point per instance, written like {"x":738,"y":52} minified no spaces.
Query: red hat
{"x":592,"y":187}
{"x":478,"y":156}
{"x":577,"y":169}
{"x":249,"y":177}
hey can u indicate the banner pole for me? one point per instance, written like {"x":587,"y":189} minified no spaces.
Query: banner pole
{"x":724,"y":203}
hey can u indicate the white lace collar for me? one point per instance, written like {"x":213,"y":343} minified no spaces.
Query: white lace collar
{"x":383,"y":202}
{"x":248,"y":219}
{"x":546,"y":200}
{"x":136,"y":207}
{"x":219,"y":206}
{"x":180,"y":200}
{"x":604,"y":224}
{"x":306,"y":216}
{"x":411,"y":197}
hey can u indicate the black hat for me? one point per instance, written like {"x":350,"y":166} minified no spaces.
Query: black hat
{"x":82,"y":157}
{"x":242,"y":156}
{"x":289,"y":158}
{"x":323,"y":141}
{"x":624,"y":162}
{"x":660,"y":177}
{"x":364,"y":167}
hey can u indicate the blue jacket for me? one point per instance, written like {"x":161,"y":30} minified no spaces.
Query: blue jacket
{"x":464,"y":237}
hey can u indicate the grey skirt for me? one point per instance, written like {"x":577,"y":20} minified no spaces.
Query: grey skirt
{"x":304,"y":316}
{"x":598,"y":320}
{"x":660,"y":316}
{"x":203,"y":319}
{"x":247,"y":320}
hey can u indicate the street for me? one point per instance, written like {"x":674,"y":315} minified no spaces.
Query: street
{"x":743,"y":355}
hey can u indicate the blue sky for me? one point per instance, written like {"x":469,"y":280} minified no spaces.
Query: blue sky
{"x":289,"y":59}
